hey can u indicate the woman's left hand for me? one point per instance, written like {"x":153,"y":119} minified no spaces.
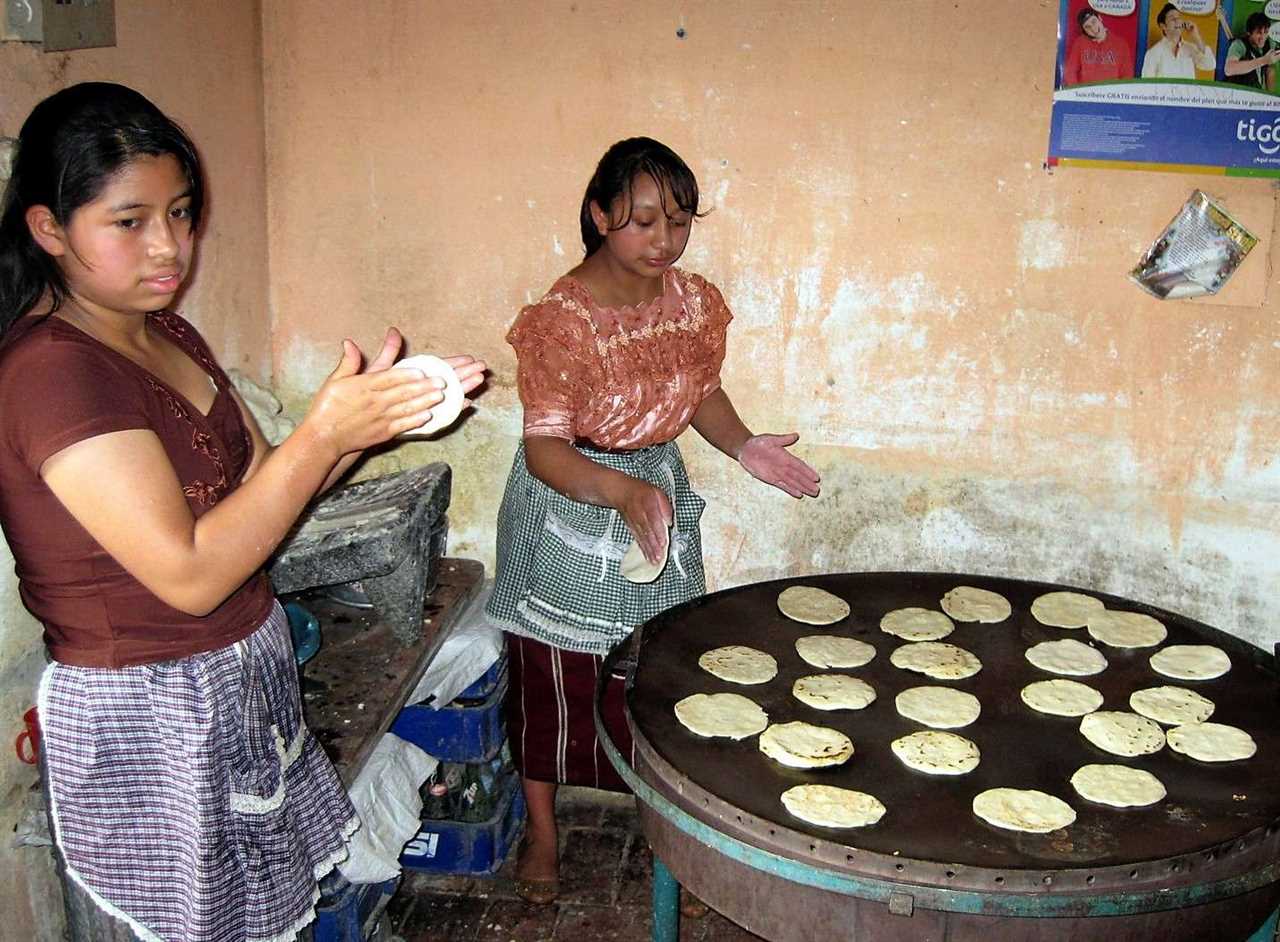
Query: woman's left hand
{"x":766,"y":459}
{"x":469,"y":370}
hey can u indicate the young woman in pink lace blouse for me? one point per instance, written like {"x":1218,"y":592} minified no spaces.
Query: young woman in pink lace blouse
{"x":617,"y":360}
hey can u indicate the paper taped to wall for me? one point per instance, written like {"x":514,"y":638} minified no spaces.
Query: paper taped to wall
{"x":1195,"y":254}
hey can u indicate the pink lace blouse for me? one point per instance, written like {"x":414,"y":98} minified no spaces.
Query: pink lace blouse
{"x":619,"y":378}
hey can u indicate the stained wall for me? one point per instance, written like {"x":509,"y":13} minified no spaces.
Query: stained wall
{"x":947,"y":324}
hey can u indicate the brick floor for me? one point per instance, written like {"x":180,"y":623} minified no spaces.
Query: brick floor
{"x":605,"y":874}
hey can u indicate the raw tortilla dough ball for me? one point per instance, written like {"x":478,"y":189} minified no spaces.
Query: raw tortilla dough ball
{"x":635,"y":568}
{"x":447,"y":412}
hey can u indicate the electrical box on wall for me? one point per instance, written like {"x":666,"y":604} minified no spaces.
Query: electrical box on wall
{"x":61,"y":24}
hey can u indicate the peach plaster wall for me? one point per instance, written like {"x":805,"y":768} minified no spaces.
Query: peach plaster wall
{"x":948,"y":325}
{"x":201,"y":63}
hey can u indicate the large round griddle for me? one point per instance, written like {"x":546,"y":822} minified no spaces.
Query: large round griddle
{"x":1216,"y":833}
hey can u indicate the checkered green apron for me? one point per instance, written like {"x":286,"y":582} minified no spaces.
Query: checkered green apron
{"x":557,"y":579}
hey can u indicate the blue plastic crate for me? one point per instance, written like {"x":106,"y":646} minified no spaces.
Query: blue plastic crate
{"x":487,"y":683}
{"x":349,"y":912}
{"x":465,"y":847}
{"x":471,"y":733}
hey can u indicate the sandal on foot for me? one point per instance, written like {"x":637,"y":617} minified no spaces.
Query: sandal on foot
{"x":690,"y":906}
{"x":540,"y":892}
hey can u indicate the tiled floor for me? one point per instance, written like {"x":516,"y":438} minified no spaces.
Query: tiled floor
{"x":605,"y":877}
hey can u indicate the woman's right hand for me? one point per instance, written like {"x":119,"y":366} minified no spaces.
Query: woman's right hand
{"x":355,"y":410}
{"x":647,"y":512}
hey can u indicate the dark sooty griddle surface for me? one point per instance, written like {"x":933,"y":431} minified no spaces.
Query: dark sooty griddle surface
{"x":930,"y":817}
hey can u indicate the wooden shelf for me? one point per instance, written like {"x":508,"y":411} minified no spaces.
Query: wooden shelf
{"x":362,"y":675}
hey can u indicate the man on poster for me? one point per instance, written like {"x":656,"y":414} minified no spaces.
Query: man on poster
{"x":1180,"y":51}
{"x":1251,"y":57}
{"x":1097,"y":55}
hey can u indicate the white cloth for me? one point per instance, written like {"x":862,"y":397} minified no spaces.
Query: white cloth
{"x":473,"y":646}
{"x":1161,"y":61}
{"x":387,"y":798}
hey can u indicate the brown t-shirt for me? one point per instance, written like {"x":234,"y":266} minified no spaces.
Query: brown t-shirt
{"x":619,"y":377}
{"x":59,"y":386}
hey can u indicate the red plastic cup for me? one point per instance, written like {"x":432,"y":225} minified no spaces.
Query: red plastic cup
{"x":28,"y":742}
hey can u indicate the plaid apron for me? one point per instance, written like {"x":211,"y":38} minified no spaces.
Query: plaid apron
{"x":188,"y":798}
{"x":557,"y":578}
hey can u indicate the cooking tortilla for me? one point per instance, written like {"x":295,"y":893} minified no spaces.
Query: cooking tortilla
{"x":936,"y":752}
{"x":917,"y":624}
{"x":832,"y":807}
{"x":1061,"y":697}
{"x":1122,"y":734}
{"x":1023,"y":809}
{"x":938,"y":707}
{"x":1212,"y":742}
{"x":1065,"y":609}
{"x":966,"y":603}
{"x":1126,"y":629}
{"x":811,"y":605}
{"x":834,"y":651}
{"x":721,"y":714}
{"x":1067,"y":656}
{"x":936,"y":659}
{"x":739,"y":665}
{"x":805,"y":746}
{"x":1190,"y":661}
{"x":1117,"y":785}
{"x":833,"y":692}
{"x":1172,"y":706}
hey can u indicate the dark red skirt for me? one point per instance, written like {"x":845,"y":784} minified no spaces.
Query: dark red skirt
{"x":551,"y":716}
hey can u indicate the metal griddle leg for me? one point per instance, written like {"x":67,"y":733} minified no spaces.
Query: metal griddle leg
{"x":1266,"y":932}
{"x":666,"y":904}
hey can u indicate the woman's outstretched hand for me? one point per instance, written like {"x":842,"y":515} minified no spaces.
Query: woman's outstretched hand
{"x":766,"y":459}
{"x":470,"y":371}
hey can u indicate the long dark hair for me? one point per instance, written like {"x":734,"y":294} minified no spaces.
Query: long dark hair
{"x":619,"y":166}
{"x":69,"y":147}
